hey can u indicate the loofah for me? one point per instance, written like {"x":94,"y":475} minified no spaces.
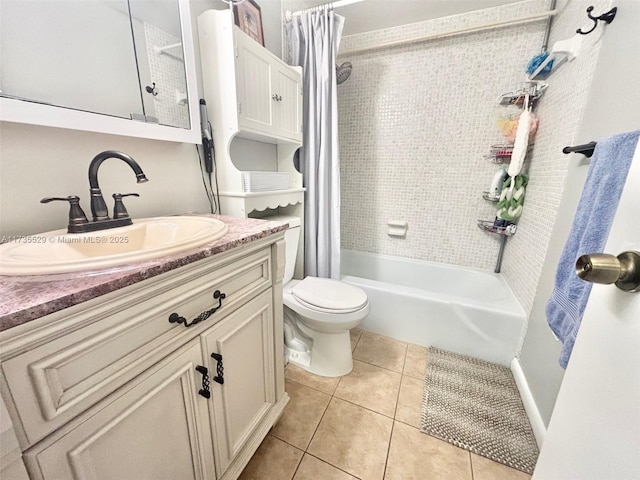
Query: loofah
{"x":535,"y":63}
{"x":511,"y":201}
{"x":508,"y":122}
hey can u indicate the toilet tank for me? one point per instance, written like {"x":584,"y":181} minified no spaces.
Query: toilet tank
{"x":291,"y":238}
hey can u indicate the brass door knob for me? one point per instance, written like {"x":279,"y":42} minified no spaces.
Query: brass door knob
{"x":623,"y":270}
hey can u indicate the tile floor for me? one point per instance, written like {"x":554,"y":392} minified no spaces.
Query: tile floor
{"x":364,"y":425}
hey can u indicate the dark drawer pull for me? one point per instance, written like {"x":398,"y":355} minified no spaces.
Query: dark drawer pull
{"x":204,"y":391}
{"x":219,"y":378}
{"x":175,"y":318}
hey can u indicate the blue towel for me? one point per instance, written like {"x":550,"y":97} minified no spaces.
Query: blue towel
{"x":600,"y":197}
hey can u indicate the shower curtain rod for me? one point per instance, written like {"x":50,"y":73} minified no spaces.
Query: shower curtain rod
{"x":340,"y":3}
{"x":424,"y":38}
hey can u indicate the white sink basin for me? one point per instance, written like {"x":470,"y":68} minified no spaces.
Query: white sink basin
{"x":148,"y":238}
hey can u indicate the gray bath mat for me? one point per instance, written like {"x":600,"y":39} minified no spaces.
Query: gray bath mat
{"x":475,"y":405}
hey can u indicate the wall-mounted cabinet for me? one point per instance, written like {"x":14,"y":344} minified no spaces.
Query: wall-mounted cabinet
{"x":124,"y":67}
{"x":269,"y":93}
{"x":251,"y":94}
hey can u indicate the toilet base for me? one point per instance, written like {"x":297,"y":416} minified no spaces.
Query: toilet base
{"x":330,"y":355}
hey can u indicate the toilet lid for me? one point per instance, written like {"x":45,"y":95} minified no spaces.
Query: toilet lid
{"x":327,"y":295}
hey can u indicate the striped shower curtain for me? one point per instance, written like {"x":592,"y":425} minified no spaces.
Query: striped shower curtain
{"x":313,"y":39}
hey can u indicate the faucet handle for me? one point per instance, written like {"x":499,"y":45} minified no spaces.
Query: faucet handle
{"x":119,"y":210}
{"x":76,"y":214}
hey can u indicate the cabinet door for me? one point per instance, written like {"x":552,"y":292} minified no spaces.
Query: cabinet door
{"x":255,"y":105}
{"x":245,"y":345}
{"x":158,"y":428}
{"x":288,"y":107}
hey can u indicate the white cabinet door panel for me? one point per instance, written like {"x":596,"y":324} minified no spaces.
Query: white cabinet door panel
{"x":254,"y":85}
{"x":287,"y":85}
{"x":246,"y":344}
{"x":156,"y":430}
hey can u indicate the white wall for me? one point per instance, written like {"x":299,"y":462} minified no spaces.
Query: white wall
{"x":37,"y":162}
{"x":610,"y":107}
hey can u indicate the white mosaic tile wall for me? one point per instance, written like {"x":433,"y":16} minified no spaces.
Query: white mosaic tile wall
{"x":414,"y":123}
{"x":167,"y":71}
{"x":560,"y":111}
{"x":416,"y":120}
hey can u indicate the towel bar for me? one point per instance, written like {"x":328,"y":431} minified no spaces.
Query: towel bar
{"x":586,"y":149}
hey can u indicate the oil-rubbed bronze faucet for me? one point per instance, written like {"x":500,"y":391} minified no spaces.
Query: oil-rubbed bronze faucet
{"x":78,"y":222}
{"x":98,"y":207}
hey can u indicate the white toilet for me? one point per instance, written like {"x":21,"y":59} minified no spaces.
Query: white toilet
{"x":318,"y":314}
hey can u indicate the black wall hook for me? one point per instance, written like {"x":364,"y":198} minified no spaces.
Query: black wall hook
{"x":154,"y":90}
{"x":605,"y":17}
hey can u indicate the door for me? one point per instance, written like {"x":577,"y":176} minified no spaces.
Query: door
{"x":156,"y":429}
{"x":241,"y":351}
{"x":594,"y":432}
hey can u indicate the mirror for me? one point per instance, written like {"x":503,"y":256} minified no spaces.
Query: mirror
{"x":111,"y":66}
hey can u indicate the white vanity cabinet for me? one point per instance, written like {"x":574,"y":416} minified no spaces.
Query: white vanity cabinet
{"x":113,"y":389}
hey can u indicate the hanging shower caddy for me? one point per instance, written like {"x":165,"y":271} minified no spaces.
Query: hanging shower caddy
{"x":526,"y":98}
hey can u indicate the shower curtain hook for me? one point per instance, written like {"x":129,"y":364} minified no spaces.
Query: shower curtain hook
{"x":605,"y":17}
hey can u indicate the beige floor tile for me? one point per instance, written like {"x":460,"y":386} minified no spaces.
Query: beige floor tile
{"x":353,"y":439}
{"x":382,"y":351}
{"x":409,"y":406}
{"x":355,"y":336}
{"x":416,"y":456}
{"x":415,"y":364}
{"x":300,"y":375}
{"x":485,"y":469}
{"x":371,"y":387}
{"x":313,"y":469}
{"x":301,"y":416}
{"x":274,"y":460}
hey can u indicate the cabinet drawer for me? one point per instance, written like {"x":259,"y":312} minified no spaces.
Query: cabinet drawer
{"x":56,"y":381}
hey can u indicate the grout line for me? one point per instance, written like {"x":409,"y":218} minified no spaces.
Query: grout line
{"x":312,"y":388}
{"x":298,"y":466}
{"x":284,"y":441}
{"x":287,"y":443}
{"x":315,"y":430}
{"x":366,"y":408}
{"x":395,"y":411}
{"x":471,"y":465}
{"x":386,"y":460}
{"x":334,"y":466}
{"x":374,"y":365}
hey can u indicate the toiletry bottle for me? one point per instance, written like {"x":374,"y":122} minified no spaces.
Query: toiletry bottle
{"x":496,"y":184}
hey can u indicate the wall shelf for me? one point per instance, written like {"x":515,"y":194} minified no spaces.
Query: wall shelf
{"x":241,"y":204}
{"x":488,"y":226}
{"x":499,"y":154}
{"x":490,"y":198}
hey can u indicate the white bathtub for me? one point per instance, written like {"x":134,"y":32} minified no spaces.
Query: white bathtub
{"x":464,"y":310}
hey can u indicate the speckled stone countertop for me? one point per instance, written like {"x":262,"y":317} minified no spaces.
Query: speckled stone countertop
{"x":25,"y":298}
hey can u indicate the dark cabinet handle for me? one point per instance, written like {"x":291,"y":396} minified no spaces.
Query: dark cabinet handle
{"x":175,"y":318}
{"x":204,"y":391}
{"x":219,"y":378}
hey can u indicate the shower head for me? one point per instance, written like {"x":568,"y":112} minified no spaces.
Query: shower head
{"x":342,"y":72}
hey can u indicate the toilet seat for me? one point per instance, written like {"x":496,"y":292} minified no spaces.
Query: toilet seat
{"x":329,"y":296}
